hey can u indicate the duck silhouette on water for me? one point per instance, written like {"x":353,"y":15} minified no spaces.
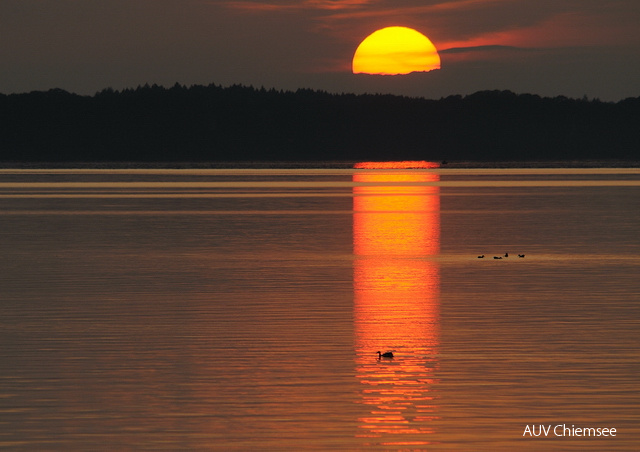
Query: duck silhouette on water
{"x":385,"y":355}
{"x":500,"y":257}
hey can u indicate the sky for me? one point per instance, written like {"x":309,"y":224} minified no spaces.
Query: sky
{"x":573,"y":48}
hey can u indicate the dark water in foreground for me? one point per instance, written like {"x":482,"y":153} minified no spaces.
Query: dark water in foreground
{"x":239,"y":310}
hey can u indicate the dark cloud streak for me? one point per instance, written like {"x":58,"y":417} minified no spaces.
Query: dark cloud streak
{"x":487,"y":48}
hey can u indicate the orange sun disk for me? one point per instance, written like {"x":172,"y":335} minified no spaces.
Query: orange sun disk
{"x":394,"y":51}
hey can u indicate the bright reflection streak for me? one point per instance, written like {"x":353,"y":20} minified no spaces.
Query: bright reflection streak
{"x":396,"y":234}
{"x":405,"y":164}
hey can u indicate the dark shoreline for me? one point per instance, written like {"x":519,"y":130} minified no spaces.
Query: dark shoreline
{"x":246,"y":127}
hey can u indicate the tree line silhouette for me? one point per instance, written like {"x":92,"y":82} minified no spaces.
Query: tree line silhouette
{"x":240,"y":123}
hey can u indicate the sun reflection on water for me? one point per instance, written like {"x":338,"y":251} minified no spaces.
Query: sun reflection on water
{"x":396,"y":234}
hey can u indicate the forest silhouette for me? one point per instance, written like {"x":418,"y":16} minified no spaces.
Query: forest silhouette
{"x":240,"y":123}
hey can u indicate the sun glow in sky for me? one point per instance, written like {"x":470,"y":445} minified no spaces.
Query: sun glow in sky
{"x":394,"y":51}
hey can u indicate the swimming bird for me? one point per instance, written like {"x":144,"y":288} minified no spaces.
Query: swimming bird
{"x":481,"y":257}
{"x":497,"y":257}
{"x":506,"y":254}
{"x":385,"y":355}
{"x":520,"y":255}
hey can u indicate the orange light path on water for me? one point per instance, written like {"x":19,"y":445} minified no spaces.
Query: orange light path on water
{"x":396,"y":234}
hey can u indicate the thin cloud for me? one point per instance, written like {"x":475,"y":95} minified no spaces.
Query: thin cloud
{"x":570,"y":29}
{"x":489,"y":52}
{"x":486,"y":48}
{"x":361,"y":8}
{"x":337,"y":4}
{"x":411,"y":10}
{"x":329,"y":5}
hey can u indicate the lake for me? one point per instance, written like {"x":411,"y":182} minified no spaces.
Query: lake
{"x":243,"y":309}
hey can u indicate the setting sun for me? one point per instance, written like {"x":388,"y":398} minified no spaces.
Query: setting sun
{"x":394,"y":51}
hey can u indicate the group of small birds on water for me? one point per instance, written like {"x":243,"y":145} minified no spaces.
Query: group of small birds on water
{"x":500,"y":257}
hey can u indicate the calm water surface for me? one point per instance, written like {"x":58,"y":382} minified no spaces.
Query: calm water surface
{"x":240,"y":310}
